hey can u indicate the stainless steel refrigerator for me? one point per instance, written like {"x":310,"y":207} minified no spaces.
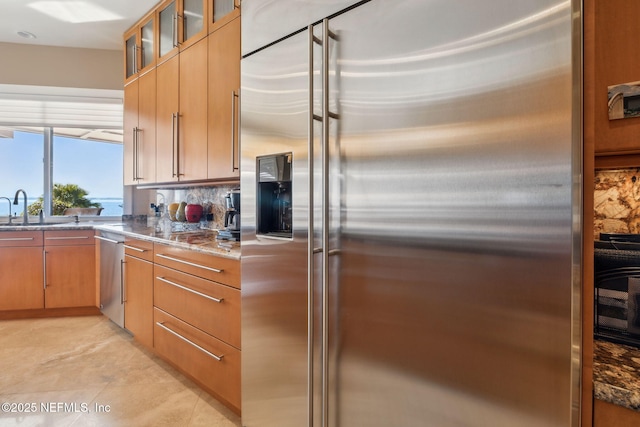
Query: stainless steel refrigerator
{"x":410,"y":179}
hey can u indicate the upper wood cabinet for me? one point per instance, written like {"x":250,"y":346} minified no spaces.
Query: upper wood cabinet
{"x":139,"y":45}
{"x":167,"y":110}
{"x":181,"y":137}
{"x":608,"y":62}
{"x":181,"y":23}
{"x":192,"y":121}
{"x":221,"y":12}
{"x":140,"y":130}
{"x":189,"y":91}
{"x":224,"y":85}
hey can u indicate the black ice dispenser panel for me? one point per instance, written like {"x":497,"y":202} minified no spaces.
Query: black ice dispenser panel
{"x":274,"y":195}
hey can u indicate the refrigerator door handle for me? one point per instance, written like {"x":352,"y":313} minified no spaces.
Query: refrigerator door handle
{"x":325,"y":224}
{"x":311,"y":250}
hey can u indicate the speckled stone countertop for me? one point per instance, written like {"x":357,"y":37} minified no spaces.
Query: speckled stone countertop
{"x":616,"y":374}
{"x":203,"y":240}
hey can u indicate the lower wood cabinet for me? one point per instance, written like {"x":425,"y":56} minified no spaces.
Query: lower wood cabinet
{"x":197,"y":318}
{"x":138,"y":290}
{"x":21,"y":271}
{"x":607,"y":414}
{"x":70,"y":269}
{"x":50,"y":269}
{"x":204,"y":358}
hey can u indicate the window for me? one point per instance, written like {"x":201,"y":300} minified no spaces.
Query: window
{"x":21,"y":154}
{"x":90,"y":159}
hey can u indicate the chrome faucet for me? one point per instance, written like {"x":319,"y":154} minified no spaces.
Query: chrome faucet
{"x":25,"y":214}
{"x":8,"y":200}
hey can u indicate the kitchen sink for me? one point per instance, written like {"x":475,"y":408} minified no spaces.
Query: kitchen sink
{"x":33,"y":224}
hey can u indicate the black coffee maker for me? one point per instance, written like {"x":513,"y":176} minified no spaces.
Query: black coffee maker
{"x":231,"y":216}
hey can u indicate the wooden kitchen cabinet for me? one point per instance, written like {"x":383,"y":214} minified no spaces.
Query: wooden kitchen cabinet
{"x":192,"y":132}
{"x":209,"y":306}
{"x":69,"y":269}
{"x":607,"y":414}
{"x":182,"y":23}
{"x":166,"y":119}
{"x":224,"y":85}
{"x":197,"y":318}
{"x":210,"y":362}
{"x":221,"y":12}
{"x":181,"y":137}
{"x":207,"y":266}
{"x":138,"y":290}
{"x":139,"y":48}
{"x":21,"y":270}
{"x":139,"y":151}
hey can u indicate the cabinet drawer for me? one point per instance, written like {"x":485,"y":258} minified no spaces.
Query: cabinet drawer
{"x":138,"y":248}
{"x":209,"y":306}
{"x":195,"y":353}
{"x":20,"y":238}
{"x":69,"y":237}
{"x":219,"y":269}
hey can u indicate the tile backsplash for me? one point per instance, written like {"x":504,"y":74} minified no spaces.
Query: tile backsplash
{"x":211,"y":198}
{"x":617,"y":201}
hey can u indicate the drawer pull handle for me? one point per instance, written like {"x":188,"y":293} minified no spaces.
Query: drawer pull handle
{"x":190,"y":290}
{"x":188,"y":341}
{"x":215,"y":270}
{"x":133,"y":248}
{"x":66,"y":238}
{"x":15,"y":239}
{"x":107,"y":240}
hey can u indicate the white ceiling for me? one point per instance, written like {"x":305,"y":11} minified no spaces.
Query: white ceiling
{"x":96,"y":24}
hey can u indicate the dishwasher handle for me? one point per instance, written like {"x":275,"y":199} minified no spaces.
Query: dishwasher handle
{"x":107,"y":240}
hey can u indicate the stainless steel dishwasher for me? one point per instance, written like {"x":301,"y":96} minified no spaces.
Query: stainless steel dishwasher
{"x":111,"y":247}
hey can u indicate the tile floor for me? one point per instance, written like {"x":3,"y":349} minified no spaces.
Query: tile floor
{"x":86,"y":371}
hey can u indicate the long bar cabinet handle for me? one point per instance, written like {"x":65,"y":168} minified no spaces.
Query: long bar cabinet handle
{"x":123,"y":298}
{"x":133,"y":152}
{"x":234,"y":96}
{"x":15,"y":239}
{"x":106,"y":239}
{"x":188,"y":341}
{"x":177,"y":285}
{"x":215,"y":270}
{"x":133,"y":248}
{"x":44,"y":267}
{"x":67,"y":238}
{"x":173,"y":144}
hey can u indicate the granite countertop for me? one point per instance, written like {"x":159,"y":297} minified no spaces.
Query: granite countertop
{"x":616,"y":374}
{"x":201,"y":240}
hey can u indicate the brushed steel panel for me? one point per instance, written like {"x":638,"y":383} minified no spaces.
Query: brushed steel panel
{"x":274,"y":117}
{"x":455,"y":276}
{"x":273,"y":19}
{"x":452,"y":217}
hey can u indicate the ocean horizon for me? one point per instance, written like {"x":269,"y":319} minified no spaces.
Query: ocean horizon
{"x":112,"y":206}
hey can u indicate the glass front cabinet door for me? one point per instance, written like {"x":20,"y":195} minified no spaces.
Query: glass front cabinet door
{"x":139,"y":43}
{"x":182,"y":23}
{"x":222,"y":12}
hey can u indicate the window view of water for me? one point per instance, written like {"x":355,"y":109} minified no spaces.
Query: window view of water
{"x":112,"y":206}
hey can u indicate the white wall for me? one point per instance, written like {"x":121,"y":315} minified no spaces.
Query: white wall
{"x":24,"y":64}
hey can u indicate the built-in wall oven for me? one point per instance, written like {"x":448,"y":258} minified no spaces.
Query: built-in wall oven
{"x":111,"y":247}
{"x":617,"y":288}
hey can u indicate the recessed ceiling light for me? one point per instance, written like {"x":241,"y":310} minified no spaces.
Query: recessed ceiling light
{"x":26,"y":34}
